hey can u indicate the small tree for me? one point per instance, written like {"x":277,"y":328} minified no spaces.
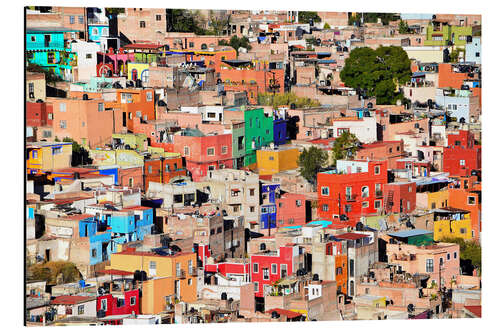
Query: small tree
{"x":310,"y":163}
{"x":345,"y":146}
{"x":305,"y":17}
{"x":326,"y":26}
{"x":403,"y":27}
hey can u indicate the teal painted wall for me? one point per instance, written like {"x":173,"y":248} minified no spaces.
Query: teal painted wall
{"x":258,"y":129}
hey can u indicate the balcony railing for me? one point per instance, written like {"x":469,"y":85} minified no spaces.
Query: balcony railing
{"x":45,"y":45}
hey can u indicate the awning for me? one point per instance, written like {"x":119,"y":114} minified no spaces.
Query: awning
{"x":115,"y":272}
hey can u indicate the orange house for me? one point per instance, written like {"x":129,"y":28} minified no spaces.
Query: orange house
{"x":131,"y":103}
{"x":253,"y":78}
{"x":163,"y":170}
{"x":341,"y":272}
{"x":84,"y":120}
{"x":465,"y":193}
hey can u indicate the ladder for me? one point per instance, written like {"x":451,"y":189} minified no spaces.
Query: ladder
{"x":389,"y":201}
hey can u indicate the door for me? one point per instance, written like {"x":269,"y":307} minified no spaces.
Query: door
{"x":134,"y":74}
{"x":47,"y":254}
{"x":46,"y":40}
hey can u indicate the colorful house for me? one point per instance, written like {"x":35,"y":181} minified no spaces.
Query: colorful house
{"x":291,"y":209}
{"x":441,"y":34}
{"x":204,"y":153}
{"x":354,"y":189}
{"x":465,"y":193}
{"x":46,"y":156}
{"x":276,"y":159}
{"x":462,"y":156}
{"x":258,"y":133}
{"x":452,"y":223}
{"x":164,"y":169}
{"x":268,"y":193}
{"x":48,"y":48}
{"x":400,"y":197}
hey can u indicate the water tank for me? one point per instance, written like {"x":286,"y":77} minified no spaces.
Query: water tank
{"x":469,"y":39}
{"x":85,"y":97}
{"x":369,"y":105}
{"x":430,"y":103}
{"x":293,"y":106}
{"x":223,"y":296}
{"x":315,"y":277}
{"x":262,"y":246}
{"x":275,"y":315}
{"x":101,"y":314}
{"x":138,"y":83}
{"x":39,"y":101}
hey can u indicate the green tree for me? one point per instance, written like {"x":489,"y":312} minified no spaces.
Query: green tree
{"x":50,"y":77}
{"x":305,"y":17}
{"x":80,"y":155}
{"x":326,"y":26}
{"x":371,"y":18}
{"x":345,"y":146}
{"x":403,"y":27}
{"x":286,"y":99}
{"x":183,"y":20}
{"x":377,"y":73}
{"x":114,"y":11}
{"x":310,"y":162}
{"x":469,"y":250}
{"x":49,"y":271}
{"x":236,"y":43}
{"x":455,"y":53}
{"x":218,"y":22}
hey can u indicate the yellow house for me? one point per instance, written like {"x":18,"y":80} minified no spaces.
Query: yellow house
{"x":452,"y":223}
{"x":138,"y":71}
{"x":179,"y":267}
{"x":433,"y":200}
{"x":158,"y":295}
{"x":273,"y":160}
{"x":47,"y":156}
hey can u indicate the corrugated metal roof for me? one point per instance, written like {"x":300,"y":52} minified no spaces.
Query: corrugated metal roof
{"x":410,"y":233}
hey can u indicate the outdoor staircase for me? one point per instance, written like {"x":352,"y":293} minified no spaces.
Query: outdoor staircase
{"x":389,"y":201}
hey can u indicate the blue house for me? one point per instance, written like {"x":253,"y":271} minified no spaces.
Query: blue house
{"x":100,"y":244}
{"x":268,"y":206}
{"x":98,"y":31}
{"x":279,"y":131}
{"x":48,"y":48}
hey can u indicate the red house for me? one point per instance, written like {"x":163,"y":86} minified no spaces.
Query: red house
{"x":382,"y":150}
{"x":462,"y":155}
{"x":400,"y":197}
{"x":230,"y":269}
{"x":121,"y":304}
{"x":355,"y":189}
{"x":163,"y":170}
{"x":204,"y":152}
{"x":291,"y":209}
{"x":269,"y":267}
{"x":39,"y":114}
{"x":418,"y":168}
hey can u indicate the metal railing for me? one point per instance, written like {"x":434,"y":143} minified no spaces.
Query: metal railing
{"x":45,"y":45}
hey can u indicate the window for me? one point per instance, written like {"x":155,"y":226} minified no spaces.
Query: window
{"x":271,"y":158}
{"x":348,"y":208}
{"x":274,"y":268}
{"x":191,"y":44}
{"x":255,"y":268}
{"x":441,"y":261}
{"x":252,"y":192}
{"x":471,"y":200}
{"x":265,"y":273}
{"x":211,"y":151}
{"x":224,"y":150}
{"x":377,"y":204}
{"x":324,"y":208}
{"x":81,"y":309}
{"x":186,"y":151}
{"x":132,"y":300}
{"x":463,"y":230}
{"x":62,"y":124}
{"x":62,"y":107}
{"x":437,"y":38}
{"x":95,"y":31}
{"x":477,"y":54}
{"x":448,"y":256}
{"x":190,"y":282}
{"x":80,"y":19}
{"x":83,"y":124}
{"x":158,"y":17}
{"x":142,"y":24}
{"x":104,"y":304}
{"x":94,"y":253}
{"x":325,"y":190}
{"x":298,"y":203}
{"x":31,"y":87}
{"x":235,"y":209}
{"x":100,"y":107}
{"x":429,"y":265}
{"x":283,"y":270}
{"x":365,"y":204}
{"x":348,"y":192}
{"x":152,"y":268}
{"x":33,"y":38}
{"x":454,"y":255}
{"x":256,"y":286}
{"x":149,"y":96}
{"x":365,"y":192}
{"x":377,"y":169}
{"x":252,"y":209}
{"x":71,"y":19}
{"x":462,"y":162}
{"x":138,"y":114}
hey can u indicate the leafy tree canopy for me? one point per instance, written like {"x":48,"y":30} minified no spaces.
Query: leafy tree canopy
{"x":236,"y":43}
{"x":371,"y":18}
{"x":310,"y":163}
{"x":183,"y":20}
{"x":49,"y":271}
{"x":50,"y":77}
{"x":305,"y":17}
{"x":286,"y":99}
{"x":403,"y":27}
{"x":326,"y":26}
{"x":469,"y":250}
{"x":345,"y":146}
{"x":80,"y":155}
{"x":377,"y":73}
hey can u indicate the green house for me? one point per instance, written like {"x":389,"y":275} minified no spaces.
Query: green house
{"x":258,"y":133}
{"x":238,"y":134}
{"x":441,"y":34}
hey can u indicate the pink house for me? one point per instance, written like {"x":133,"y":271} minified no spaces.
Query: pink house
{"x":204,"y":152}
{"x":291,"y":209}
{"x":437,"y":260}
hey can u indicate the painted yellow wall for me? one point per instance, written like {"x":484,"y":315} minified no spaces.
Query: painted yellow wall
{"x":153,"y":294}
{"x":117,"y":157}
{"x":59,"y":161}
{"x":270,"y":162}
{"x":139,"y":67}
{"x":440,"y":198}
{"x":451,"y":228}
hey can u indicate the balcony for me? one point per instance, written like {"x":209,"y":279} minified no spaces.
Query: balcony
{"x":351,"y":197}
{"x":180,"y":274}
{"x":193,"y":271}
{"x":55,"y":45}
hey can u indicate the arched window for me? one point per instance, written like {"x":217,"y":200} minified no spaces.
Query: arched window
{"x":203,"y":46}
{"x":145,"y":76}
{"x":134,"y":74}
{"x":365,"y":192}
